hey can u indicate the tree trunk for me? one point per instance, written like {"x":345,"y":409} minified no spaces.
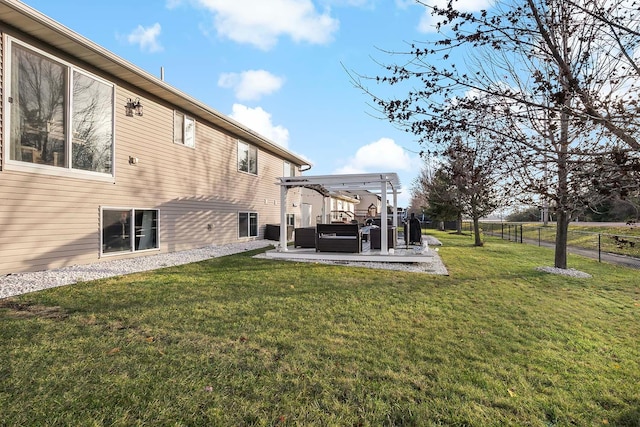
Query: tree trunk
{"x":476,"y":231}
{"x":459,"y":224}
{"x":562,"y":231}
{"x":562,"y":217}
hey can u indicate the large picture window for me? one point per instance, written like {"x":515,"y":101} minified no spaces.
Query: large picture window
{"x":59,"y":116}
{"x":184,"y":130}
{"x":247,"y":158}
{"x":129,"y":230}
{"x":247,"y":224}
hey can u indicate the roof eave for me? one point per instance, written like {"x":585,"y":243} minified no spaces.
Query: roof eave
{"x":40,"y":26}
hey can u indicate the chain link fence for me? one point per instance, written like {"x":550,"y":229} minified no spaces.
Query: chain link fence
{"x":603,"y":246}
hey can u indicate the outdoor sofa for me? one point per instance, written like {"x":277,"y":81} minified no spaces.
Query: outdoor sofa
{"x":338,"y":238}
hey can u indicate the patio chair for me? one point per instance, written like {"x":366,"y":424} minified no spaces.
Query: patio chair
{"x":375,"y":237}
{"x":305,"y":237}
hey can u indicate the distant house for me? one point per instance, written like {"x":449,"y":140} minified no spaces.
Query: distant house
{"x":370,"y":205}
{"x":101,"y":160}
{"x":341,"y":206}
{"x":317,"y":209}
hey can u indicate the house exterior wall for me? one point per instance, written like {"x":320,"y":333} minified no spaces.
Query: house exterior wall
{"x":315,"y":200}
{"x":49,"y":220}
{"x":1,"y":98}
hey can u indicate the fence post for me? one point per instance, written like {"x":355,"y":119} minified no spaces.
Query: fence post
{"x":539,"y":238}
{"x":520,"y":233}
{"x":502,"y":231}
{"x":599,"y":249}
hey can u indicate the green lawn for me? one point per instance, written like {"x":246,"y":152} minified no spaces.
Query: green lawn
{"x":238,"y":341}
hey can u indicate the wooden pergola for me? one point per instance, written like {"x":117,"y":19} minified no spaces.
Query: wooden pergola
{"x":383,"y":184}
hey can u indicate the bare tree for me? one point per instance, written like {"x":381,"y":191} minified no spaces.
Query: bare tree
{"x":593,"y":64}
{"x":557,"y":94}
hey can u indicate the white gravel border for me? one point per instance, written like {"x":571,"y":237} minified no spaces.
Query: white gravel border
{"x":565,"y":272}
{"x":435,"y":266}
{"x":22,"y":283}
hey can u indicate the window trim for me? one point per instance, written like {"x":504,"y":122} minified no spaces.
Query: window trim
{"x":290,"y":219}
{"x":288,"y":169}
{"x":185,"y":117}
{"x":249,"y":147}
{"x":132,"y":249}
{"x":249,"y":213}
{"x":67,"y":170}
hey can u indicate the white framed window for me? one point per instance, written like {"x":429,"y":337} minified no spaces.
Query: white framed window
{"x":184,"y":129}
{"x":60,"y":117}
{"x":291,"y":219}
{"x":247,"y":158}
{"x":247,"y":224}
{"x":129,"y":230}
{"x":288,"y":169}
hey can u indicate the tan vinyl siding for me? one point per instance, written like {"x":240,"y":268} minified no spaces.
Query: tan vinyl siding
{"x":51,"y":221}
{"x":1,"y":98}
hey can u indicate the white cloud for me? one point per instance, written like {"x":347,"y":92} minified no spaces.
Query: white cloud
{"x":351,"y":3}
{"x":147,"y":38}
{"x":260,"y":23}
{"x":403,"y":4}
{"x":259,"y":121}
{"x":428,"y":22}
{"x":251,"y":85}
{"x":172,"y":4}
{"x":383,"y":155}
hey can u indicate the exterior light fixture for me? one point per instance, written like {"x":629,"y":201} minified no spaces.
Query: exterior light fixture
{"x":133,"y":107}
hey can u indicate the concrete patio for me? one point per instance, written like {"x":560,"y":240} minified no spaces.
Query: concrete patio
{"x":414,"y":258}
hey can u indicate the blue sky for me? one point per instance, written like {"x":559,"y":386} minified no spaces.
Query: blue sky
{"x":274,"y":65}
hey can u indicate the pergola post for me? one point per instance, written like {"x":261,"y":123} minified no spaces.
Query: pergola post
{"x":323,"y":213}
{"x":395,"y":209}
{"x":384,"y":232}
{"x":283,"y":218}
